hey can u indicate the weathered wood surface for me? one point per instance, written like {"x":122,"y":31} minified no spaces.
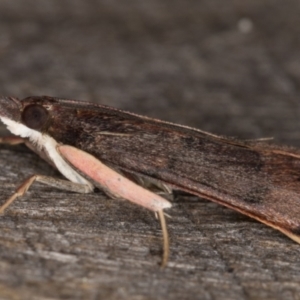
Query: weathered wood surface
{"x":191,"y":62}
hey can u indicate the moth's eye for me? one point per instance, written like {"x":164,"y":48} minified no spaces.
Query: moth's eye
{"x":35,"y":116}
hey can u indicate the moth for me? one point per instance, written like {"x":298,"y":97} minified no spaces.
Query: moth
{"x":96,"y":146}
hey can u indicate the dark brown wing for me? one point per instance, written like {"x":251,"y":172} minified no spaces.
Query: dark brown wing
{"x":255,"y":179}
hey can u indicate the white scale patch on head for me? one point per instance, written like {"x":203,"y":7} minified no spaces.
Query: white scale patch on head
{"x":43,"y":141}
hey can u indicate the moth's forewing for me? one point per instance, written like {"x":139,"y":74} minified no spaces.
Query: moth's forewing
{"x":255,"y":179}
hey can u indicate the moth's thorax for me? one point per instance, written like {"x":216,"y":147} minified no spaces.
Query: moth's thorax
{"x":43,"y":141}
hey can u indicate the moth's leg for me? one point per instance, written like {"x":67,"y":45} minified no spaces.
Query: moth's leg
{"x":165,"y":234}
{"x":12,"y":140}
{"x":51,"y":181}
{"x":16,"y":140}
{"x":111,"y":181}
{"x":154,"y":185}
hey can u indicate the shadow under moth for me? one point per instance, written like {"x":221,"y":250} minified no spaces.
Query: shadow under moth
{"x":96,"y":146}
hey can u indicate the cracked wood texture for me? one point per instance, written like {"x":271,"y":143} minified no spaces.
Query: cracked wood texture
{"x":228,"y":67}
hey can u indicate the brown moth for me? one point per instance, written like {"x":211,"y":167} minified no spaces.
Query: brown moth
{"x":98,"y":146}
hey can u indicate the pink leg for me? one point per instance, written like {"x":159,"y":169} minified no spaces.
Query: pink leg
{"x":118,"y":185}
{"x":111,"y":181}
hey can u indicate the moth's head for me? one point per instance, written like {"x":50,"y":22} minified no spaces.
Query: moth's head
{"x":31,"y":112}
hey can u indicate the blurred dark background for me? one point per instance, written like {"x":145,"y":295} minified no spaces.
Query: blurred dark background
{"x":228,"y":67}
